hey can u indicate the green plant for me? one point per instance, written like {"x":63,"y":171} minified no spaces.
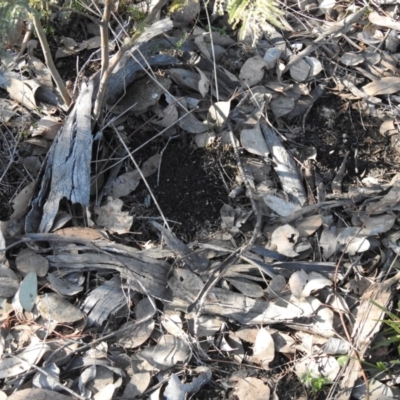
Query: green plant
{"x":392,"y":333}
{"x":222,"y":31}
{"x":77,"y":5}
{"x":315,"y":383}
{"x":181,"y":41}
{"x":11,"y":19}
{"x":252,"y":12}
{"x":381,"y":366}
{"x":136,"y":13}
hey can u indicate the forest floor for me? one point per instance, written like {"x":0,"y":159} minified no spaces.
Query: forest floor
{"x":237,"y":237}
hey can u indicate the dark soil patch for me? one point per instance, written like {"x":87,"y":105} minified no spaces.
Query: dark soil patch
{"x":334,"y":128}
{"x":188,"y":189}
{"x":290,"y":388}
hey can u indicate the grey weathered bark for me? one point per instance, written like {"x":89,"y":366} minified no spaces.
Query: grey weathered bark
{"x":68,"y":166}
{"x":285,"y":167}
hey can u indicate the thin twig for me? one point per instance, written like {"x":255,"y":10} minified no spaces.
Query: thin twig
{"x":104,"y":36}
{"x":250,"y":192}
{"x":212,"y":51}
{"x":144,"y":179}
{"x":27,"y":38}
{"x":97,"y":112}
{"x":44,"y":372}
{"x":49,"y":59}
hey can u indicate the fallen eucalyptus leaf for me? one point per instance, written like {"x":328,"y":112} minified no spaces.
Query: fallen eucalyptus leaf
{"x":28,"y":261}
{"x":176,"y":390}
{"x":282,"y":105}
{"x":47,"y":127}
{"x":137,"y":385}
{"x":54,"y":307}
{"x":169,"y":351}
{"x":219,"y":111}
{"x":382,"y":20}
{"x":253,"y":141}
{"x":280,"y":206}
{"x":385,"y":85}
{"x":10,"y":367}
{"x":252,"y":388}
{"x":204,"y":83}
{"x":37,"y":394}
{"x":263,"y":349}
{"x":28,"y":291}
{"x":128,"y":182}
{"x":284,"y":238}
{"x":51,"y":380}
{"x":351,"y":59}
{"x":354,"y":240}
{"x":252,"y":71}
{"x":300,"y":71}
{"x":111,"y":217}
{"x":315,"y":65}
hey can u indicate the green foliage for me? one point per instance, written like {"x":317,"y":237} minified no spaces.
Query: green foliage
{"x":392,"y":333}
{"x":11,"y":17}
{"x":381,"y":366}
{"x":315,"y":383}
{"x":343,"y":360}
{"x":222,"y":31}
{"x":252,"y":12}
{"x":77,"y":5}
{"x":181,"y":41}
{"x":136,"y":13}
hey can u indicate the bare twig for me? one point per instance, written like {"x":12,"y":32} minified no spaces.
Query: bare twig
{"x":337,"y":180}
{"x":250,"y":191}
{"x":27,"y":38}
{"x":97,"y":112}
{"x":212,"y":51}
{"x":143,"y":178}
{"x":49,"y":59}
{"x":104,"y":36}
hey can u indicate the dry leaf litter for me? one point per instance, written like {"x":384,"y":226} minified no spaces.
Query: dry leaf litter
{"x":229,"y":226}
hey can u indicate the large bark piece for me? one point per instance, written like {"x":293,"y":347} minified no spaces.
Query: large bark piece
{"x":149,"y":278}
{"x":285,"y":167}
{"x":128,"y":71}
{"x":67,"y":172}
